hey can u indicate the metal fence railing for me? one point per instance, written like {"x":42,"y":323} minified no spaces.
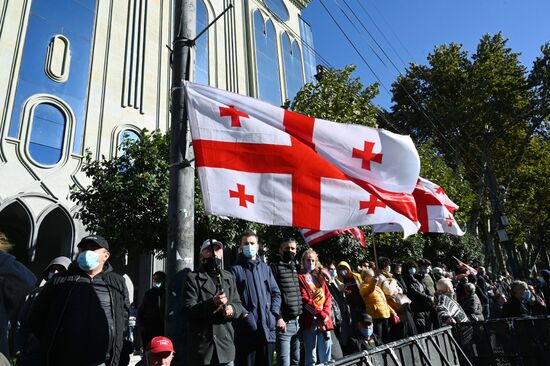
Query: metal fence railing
{"x":435,"y":348}
{"x":510,"y":341}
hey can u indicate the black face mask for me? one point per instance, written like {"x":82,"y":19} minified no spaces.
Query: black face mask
{"x":211,"y":263}
{"x":288,"y":256}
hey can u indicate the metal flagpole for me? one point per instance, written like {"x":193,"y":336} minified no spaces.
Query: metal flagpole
{"x":374,"y":249}
{"x":181,"y":204}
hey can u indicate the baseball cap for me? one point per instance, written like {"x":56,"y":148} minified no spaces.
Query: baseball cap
{"x":160,"y":344}
{"x":365,"y":318}
{"x":94,"y":240}
{"x":206,"y":244}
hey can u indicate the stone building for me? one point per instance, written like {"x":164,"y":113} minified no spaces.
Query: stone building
{"x":79,"y":75}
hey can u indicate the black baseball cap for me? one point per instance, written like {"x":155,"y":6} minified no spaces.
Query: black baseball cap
{"x":365,"y":318}
{"x":93,"y":241}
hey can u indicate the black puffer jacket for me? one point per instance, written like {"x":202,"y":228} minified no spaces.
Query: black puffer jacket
{"x":69,"y":317}
{"x":286,"y":275}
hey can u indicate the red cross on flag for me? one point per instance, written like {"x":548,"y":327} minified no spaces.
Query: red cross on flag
{"x":434,"y":208}
{"x":313,"y":237}
{"x":266,"y":164}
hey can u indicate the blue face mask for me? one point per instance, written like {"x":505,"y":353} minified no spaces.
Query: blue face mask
{"x":367,"y":332}
{"x":343,"y":272}
{"x":157,"y":284}
{"x":332,"y":273}
{"x":249,"y":251}
{"x":412,"y":270}
{"x":309,"y":267}
{"x":527,"y":295}
{"x":424,"y":270}
{"x":88,"y":260}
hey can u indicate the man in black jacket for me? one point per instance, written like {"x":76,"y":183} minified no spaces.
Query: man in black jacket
{"x":287,"y":343}
{"x":364,"y":338}
{"x":210,"y":303}
{"x":150,"y":316}
{"x":517,"y":305}
{"x":80,"y":315}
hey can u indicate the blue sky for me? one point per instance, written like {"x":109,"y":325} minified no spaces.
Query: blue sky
{"x":412,"y":28}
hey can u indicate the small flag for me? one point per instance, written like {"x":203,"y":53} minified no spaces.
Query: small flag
{"x":313,"y":237}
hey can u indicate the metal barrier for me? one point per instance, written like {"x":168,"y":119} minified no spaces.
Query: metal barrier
{"x":510,"y":341}
{"x":435,"y":348}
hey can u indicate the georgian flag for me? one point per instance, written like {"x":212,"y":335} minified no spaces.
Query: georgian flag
{"x":266,"y":164}
{"x":434,"y":209}
{"x":313,"y":237}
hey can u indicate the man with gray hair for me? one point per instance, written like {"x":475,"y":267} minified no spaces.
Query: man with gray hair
{"x":448,"y":310}
{"x":517,"y":305}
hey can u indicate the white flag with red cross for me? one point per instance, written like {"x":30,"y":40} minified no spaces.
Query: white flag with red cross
{"x":434,"y":209}
{"x":266,"y":164}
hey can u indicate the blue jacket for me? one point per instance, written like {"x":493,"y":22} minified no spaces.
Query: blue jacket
{"x":261,"y":300}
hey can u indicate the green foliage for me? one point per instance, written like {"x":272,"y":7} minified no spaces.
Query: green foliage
{"x":338,"y":97}
{"x":479,"y":113}
{"x":127,"y":200}
{"x":459,"y":190}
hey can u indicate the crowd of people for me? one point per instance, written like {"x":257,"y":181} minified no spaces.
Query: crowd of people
{"x":299,"y":310}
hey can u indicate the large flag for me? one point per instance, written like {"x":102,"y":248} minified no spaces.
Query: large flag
{"x":266,"y":164}
{"x":434,"y":208}
{"x":313,"y":237}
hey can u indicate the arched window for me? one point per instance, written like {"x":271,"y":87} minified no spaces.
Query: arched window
{"x":293,"y":67}
{"x":47,"y":134}
{"x":126,"y":136}
{"x":201,"y":45}
{"x":269,"y":87}
{"x":278,"y":8}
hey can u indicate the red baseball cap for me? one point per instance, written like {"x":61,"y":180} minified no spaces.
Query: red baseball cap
{"x":160,"y":344}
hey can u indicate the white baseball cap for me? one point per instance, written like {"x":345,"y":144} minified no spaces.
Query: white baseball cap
{"x":206,"y":244}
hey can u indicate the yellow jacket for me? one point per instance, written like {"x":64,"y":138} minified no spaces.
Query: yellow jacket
{"x":375,"y":300}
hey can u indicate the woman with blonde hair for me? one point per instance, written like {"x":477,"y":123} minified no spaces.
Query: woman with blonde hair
{"x":316,"y":322}
{"x":376,"y":304}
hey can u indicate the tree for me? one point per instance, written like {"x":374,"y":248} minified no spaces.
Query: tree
{"x":480,"y":112}
{"x":338,"y":97}
{"x":127,"y":199}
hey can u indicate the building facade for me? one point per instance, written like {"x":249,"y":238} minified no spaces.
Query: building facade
{"x":82,"y":75}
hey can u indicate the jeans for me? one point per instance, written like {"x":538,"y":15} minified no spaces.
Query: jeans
{"x":315,"y":342}
{"x":288,"y":345}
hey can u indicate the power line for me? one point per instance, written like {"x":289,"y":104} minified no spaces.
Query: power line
{"x":325,"y":62}
{"x":385,"y":88}
{"x":418,"y":106}
{"x":420,"y":67}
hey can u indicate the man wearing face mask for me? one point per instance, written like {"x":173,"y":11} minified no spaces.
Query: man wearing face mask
{"x":285,"y":271}
{"x":81,"y":314}
{"x":517,"y":305}
{"x":150,"y":316}
{"x":352,"y":281}
{"x":261,"y":299}
{"x":425,"y":276}
{"x":210,"y":303}
{"x":364,"y":338}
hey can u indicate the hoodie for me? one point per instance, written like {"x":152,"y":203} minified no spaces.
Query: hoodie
{"x":352,"y":283}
